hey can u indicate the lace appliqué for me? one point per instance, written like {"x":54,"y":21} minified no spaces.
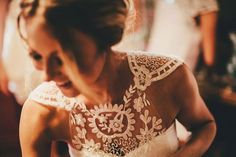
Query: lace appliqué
{"x":48,"y":93}
{"x":147,"y":69}
{"x":114,"y":127}
{"x":113,"y":124}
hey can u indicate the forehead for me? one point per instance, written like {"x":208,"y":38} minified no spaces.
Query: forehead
{"x":39,"y":37}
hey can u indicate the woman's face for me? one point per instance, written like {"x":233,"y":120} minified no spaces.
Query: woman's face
{"x":45,"y":52}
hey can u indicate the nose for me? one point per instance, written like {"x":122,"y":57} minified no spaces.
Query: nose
{"x":51,"y":73}
{"x":48,"y":74}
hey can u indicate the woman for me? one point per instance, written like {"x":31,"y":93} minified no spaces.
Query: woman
{"x":107,"y":103}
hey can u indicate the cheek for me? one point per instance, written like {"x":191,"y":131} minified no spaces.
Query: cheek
{"x":64,"y":73}
{"x":38,"y":65}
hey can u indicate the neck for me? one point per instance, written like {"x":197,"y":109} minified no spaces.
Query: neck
{"x":104,"y":81}
{"x":103,"y":76}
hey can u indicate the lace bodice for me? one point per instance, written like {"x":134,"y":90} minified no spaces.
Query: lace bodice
{"x":133,"y":128}
{"x":49,"y":94}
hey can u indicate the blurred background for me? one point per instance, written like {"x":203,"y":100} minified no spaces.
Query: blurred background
{"x":200,"y":32}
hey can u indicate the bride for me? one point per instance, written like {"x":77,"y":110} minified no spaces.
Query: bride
{"x":103,"y":102}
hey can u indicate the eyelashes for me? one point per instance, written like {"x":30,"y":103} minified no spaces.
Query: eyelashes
{"x":54,"y":59}
{"x":57,"y":61}
{"x":35,"y":56}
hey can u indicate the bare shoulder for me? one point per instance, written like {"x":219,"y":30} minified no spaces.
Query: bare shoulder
{"x":34,"y":114}
{"x":181,"y":85}
{"x":45,"y":118}
{"x":192,"y":109}
{"x":176,"y":85}
{"x":39,"y":126}
{"x":184,"y":83}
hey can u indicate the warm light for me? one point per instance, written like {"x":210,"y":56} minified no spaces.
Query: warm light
{"x":170,"y":1}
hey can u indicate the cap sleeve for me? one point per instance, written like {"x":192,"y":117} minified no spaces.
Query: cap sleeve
{"x":49,"y":94}
{"x":148,"y":68}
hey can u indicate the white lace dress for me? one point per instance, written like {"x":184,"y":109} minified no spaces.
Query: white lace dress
{"x":133,"y":128}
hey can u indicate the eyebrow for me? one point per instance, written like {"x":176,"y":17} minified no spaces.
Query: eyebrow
{"x":33,"y":52}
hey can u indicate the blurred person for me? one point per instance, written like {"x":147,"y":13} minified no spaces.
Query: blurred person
{"x":136,"y":33}
{"x":3,"y":75}
{"x":17,"y":73}
{"x":182,"y":27}
{"x":100,"y":101}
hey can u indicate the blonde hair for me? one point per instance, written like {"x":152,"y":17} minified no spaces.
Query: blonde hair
{"x":70,"y":62}
{"x":131,"y":17}
{"x":103,"y":20}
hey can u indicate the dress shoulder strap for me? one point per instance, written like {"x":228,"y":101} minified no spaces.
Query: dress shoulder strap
{"x":148,"y":68}
{"x":47,"y":93}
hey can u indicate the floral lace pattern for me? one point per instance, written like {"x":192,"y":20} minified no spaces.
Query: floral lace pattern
{"x":149,"y":69}
{"x":48,"y":93}
{"x":118,"y":129}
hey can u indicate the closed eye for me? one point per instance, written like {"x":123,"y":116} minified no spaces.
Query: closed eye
{"x":35,"y":56}
{"x":57,"y":61}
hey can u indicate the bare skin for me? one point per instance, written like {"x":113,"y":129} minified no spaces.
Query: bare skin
{"x":40,"y":125}
{"x":194,"y":115}
{"x":181,"y":100}
{"x":208,"y":24}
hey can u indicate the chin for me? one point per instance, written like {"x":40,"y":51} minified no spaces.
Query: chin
{"x":72,"y":93}
{"x":68,"y":89}
{"x":69,"y":92}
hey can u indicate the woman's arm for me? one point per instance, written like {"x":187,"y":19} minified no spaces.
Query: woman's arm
{"x":35,"y":136}
{"x":208,"y":24}
{"x":194,"y":115}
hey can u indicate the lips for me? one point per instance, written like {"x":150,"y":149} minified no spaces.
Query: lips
{"x":66,"y":84}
